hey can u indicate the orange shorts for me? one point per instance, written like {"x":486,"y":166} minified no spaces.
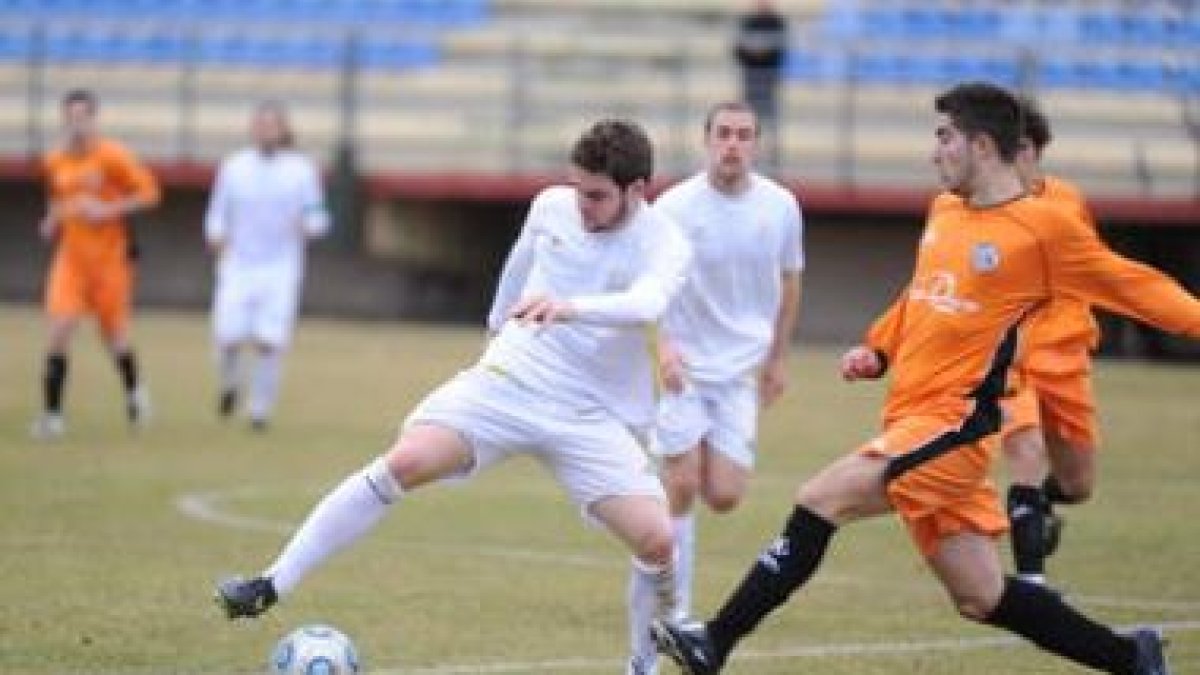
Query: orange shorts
{"x":1054,"y":392}
{"x":105,"y":290}
{"x":945,"y":488}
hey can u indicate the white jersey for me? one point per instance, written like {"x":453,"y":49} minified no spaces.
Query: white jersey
{"x":619,"y":283}
{"x":263,"y":210}
{"x":723,"y":320}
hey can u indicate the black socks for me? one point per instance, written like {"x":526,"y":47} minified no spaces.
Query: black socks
{"x":54,"y":379}
{"x":785,"y":566}
{"x":1028,"y":510}
{"x":1040,"y":616}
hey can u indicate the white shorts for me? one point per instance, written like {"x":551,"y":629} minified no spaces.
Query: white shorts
{"x":261,"y":308}
{"x":724,"y":415}
{"x":591,"y":453}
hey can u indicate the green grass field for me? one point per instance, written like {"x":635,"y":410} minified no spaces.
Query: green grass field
{"x":111,"y":542}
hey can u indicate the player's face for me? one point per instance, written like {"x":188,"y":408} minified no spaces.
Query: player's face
{"x":954,"y":157}
{"x":603,"y":205}
{"x":731,"y":143}
{"x":268,"y":129}
{"x":79,"y":120}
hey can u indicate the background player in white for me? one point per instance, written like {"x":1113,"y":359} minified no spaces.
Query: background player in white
{"x":724,"y":341}
{"x":266,"y":205}
{"x":565,"y":379}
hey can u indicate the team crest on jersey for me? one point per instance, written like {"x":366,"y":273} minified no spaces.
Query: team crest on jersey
{"x":985,"y":257}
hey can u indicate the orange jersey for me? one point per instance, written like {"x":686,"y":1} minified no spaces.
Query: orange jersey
{"x":106,"y":171}
{"x":979,"y":273}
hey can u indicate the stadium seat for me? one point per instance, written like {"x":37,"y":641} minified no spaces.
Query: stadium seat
{"x":15,"y":44}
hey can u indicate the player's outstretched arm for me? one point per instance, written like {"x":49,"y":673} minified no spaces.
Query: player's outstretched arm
{"x":646,"y":299}
{"x":1084,"y":268}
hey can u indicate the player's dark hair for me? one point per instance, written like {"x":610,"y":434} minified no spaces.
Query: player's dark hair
{"x":619,"y":149}
{"x":728,"y":106}
{"x":84,"y":96}
{"x":1036,"y":127}
{"x":279,"y":110}
{"x":981,"y":108}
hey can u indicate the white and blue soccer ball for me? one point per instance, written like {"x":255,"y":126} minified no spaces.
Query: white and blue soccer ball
{"x":315,"y":650}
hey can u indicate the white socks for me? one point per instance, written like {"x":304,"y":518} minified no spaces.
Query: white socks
{"x":685,"y":559}
{"x":348,"y":512}
{"x":266,"y":370}
{"x":651,"y":596}
{"x":264,"y":383}
{"x":656,"y":592}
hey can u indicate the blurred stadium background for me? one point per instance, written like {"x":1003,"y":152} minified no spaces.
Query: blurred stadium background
{"x":437,"y":119}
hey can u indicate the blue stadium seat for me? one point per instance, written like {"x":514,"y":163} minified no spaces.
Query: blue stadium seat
{"x":921,"y":22}
{"x":974,"y":23}
{"x":881,"y":23}
{"x":16,"y":44}
{"x":1100,"y":28}
{"x":397,"y":54}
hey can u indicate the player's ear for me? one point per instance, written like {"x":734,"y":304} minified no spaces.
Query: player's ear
{"x":637,"y":189}
{"x":983,"y":145}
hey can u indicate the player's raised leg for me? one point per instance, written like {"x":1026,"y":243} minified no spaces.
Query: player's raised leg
{"x":424,"y":453}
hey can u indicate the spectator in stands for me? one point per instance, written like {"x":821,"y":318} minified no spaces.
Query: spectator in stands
{"x":761,"y":51}
{"x":94,"y":183}
{"x":266,"y":205}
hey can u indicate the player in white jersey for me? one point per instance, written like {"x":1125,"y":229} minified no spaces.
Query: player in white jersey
{"x":724,"y":342}
{"x":567,"y":377}
{"x":266,"y":205}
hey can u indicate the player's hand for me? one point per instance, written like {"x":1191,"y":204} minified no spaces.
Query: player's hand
{"x":670,"y":367}
{"x":861,"y":363}
{"x":773,"y":380}
{"x":48,"y":227}
{"x":541,"y":310}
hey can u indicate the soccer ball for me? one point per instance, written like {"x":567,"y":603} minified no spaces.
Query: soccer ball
{"x":314,"y":650}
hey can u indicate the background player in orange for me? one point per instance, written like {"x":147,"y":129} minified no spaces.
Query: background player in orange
{"x":985,"y":262}
{"x":1049,"y":435}
{"x":93,"y":184}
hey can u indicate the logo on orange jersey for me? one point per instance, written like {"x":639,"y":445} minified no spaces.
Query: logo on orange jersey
{"x":985,"y":257}
{"x":940,"y":289}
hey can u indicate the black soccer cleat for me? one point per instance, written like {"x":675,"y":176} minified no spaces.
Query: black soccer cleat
{"x":245,"y":598}
{"x":227,"y":403}
{"x":1053,"y":533}
{"x":1151,"y":654}
{"x":688,"y":645}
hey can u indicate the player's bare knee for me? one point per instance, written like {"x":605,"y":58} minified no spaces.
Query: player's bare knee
{"x":682,"y":482}
{"x":722,"y":500}
{"x":655,"y":547}
{"x":974,"y":606}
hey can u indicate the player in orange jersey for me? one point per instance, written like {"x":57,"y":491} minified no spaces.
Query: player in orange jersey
{"x":985,"y":263}
{"x":1049,"y":435}
{"x":94,"y":183}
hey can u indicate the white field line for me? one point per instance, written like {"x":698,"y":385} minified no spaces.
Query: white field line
{"x":210,"y":507}
{"x":855,"y":649}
